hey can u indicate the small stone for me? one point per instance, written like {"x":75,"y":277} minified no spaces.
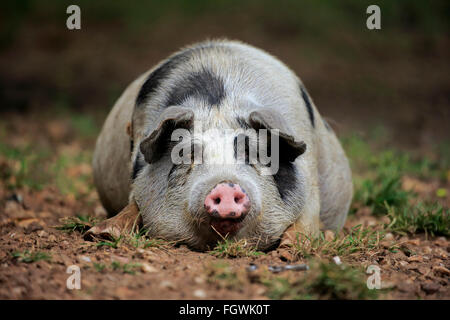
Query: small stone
{"x":199,"y":280}
{"x":430,"y":288}
{"x":25,"y":223}
{"x":403,"y":263}
{"x":252,"y":267}
{"x":387,"y":285}
{"x":414,"y":242}
{"x":389,"y":236}
{"x":199,"y":293}
{"x":52,"y":238}
{"x":42,"y":233}
{"x":167,"y":284}
{"x":441,"y":269}
{"x":337,"y":260}
{"x":415,"y":259}
{"x":86,"y":259}
{"x":146,"y":268}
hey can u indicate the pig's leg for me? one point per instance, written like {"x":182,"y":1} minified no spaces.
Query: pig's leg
{"x":126,"y":221}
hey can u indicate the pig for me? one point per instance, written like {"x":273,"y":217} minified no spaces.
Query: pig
{"x":202,"y":90}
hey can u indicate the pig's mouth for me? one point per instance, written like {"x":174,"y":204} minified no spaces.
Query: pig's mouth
{"x":226,"y":226}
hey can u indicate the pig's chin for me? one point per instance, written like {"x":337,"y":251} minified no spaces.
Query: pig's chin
{"x":226,"y":226}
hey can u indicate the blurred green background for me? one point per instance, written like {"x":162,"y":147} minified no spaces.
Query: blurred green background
{"x":396,"y":77}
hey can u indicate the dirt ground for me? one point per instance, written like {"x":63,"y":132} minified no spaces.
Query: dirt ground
{"x":172,"y":273}
{"x":57,"y":87}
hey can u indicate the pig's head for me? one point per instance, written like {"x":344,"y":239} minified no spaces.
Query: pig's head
{"x":210,"y":176}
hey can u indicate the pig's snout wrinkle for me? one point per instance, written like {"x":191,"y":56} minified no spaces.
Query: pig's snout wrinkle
{"x":227,"y":201}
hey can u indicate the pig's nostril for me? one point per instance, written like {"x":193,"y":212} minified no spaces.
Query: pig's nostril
{"x":237,"y":199}
{"x":217,"y":200}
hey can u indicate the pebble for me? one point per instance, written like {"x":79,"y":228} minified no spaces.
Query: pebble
{"x":252,"y":267}
{"x":387,"y":285}
{"x":120,"y":259}
{"x":441,"y":269}
{"x":199,"y":280}
{"x":415,"y":259}
{"x":199,"y":293}
{"x":146,"y":268}
{"x":337,"y":260}
{"x":86,"y":259}
{"x":389,"y":236}
{"x":403,"y":263}
{"x":414,"y":242}
{"x":42,"y":233}
{"x":167,"y":284}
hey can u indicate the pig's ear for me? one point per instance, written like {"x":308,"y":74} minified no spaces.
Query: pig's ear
{"x":157,"y":142}
{"x":290,"y":148}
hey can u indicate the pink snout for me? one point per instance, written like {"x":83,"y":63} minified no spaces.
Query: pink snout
{"x":227,"y":201}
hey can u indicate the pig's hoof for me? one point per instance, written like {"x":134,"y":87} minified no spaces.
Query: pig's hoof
{"x":125,"y":222}
{"x":104,"y":230}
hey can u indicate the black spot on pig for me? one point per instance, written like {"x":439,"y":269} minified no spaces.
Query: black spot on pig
{"x":138,"y":165}
{"x":285,"y":179}
{"x":156,"y":77}
{"x":203,"y":85}
{"x":308,"y":105}
{"x":163,"y":71}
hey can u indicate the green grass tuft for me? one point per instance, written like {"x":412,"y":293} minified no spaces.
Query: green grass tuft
{"x":221,"y":274}
{"x":381,"y":190}
{"x":79,"y":223}
{"x":99,"y":267}
{"x":233,"y":249}
{"x":357,"y":239}
{"x":29,"y":257}
{"x":129,"y":268}
{"x":426,"y":218}
{"x":114,"y":243}
{"x":323,"y":281}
